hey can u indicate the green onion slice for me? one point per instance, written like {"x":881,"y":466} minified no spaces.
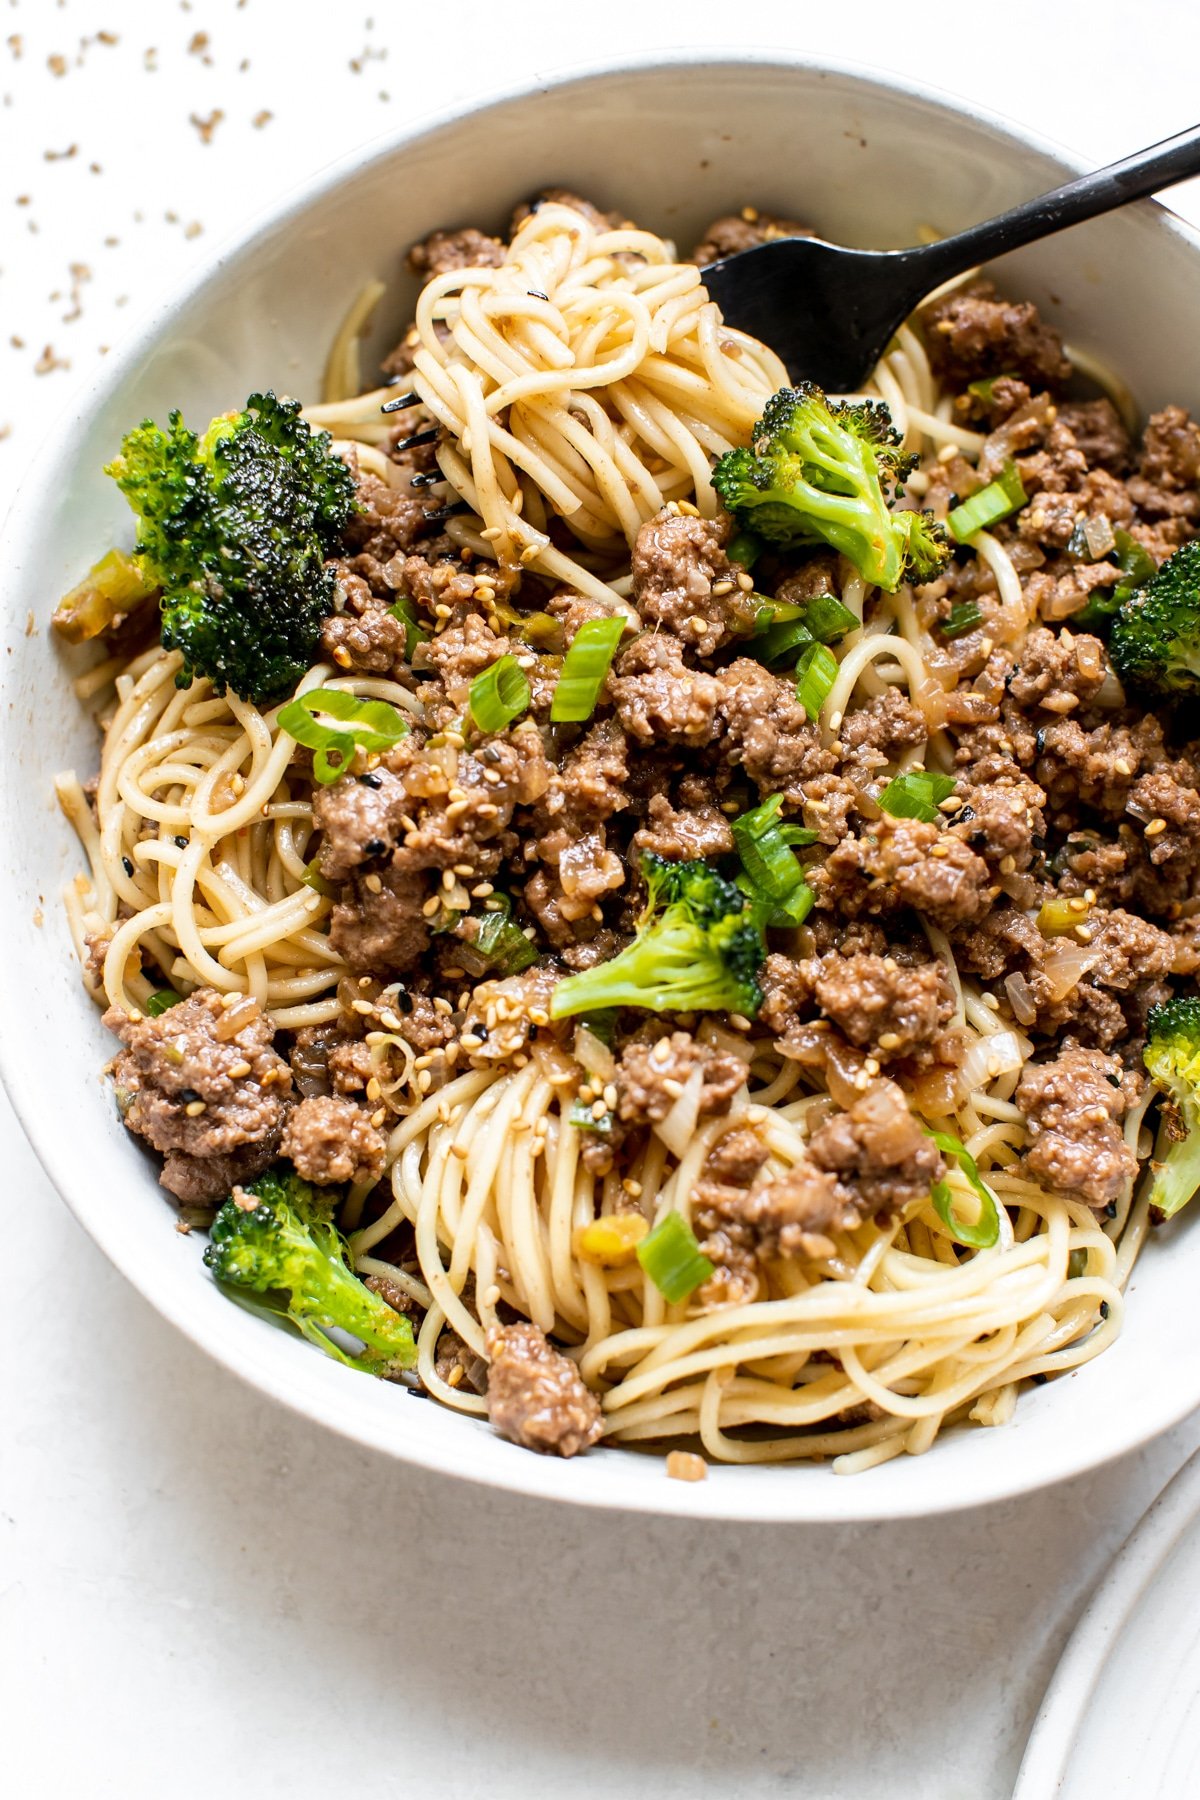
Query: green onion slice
{"x":816,"y":673}
{"x":764,"y":846}
{"x":672,"y":1259}
{"x":744,"y":548}
{"x":584,"y":668}
{"x":502,"y":942}
{"x":159,"y":1001}
{"x":986,"y":1231}
{"x":414,"y":632}
{"x":313,"y":878}
{"x":778,"y":643}
{"x":917,"y":795}
{"x":998,"y":500}
{"x":985,"y":390}
{"x":499,"y":695}
{"x":963,"y":616}
{"x":334,"y":723}
{"x":828,"y":619}
{"x":581,"y":1117}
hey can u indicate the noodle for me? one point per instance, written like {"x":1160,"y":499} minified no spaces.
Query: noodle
{"x":588,"y":381}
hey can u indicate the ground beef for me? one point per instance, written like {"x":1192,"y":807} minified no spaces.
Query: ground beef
{"x":768,"y":733}
{"x":1073,"y":1107}
{"x":741,"y":1224}
{"x":882,"y":1159}
{"x":683,"y":582}
{"x":332,"y":1141}
{"x":1097,"y":429}
{"x":1001,"y":816}
{"x":391,"y":1293}
{"x":362,"y":635}
{"x":1058,"y":670}
{"x":971,"y":334}
{"x":871,"y":736}
{"x":1167,"y":484}
{"x":463,"y":651}
{"x":651,"y":1076}
{"x":381,"y":927}
{"x":504,"y":1016}
{"x":442,"y":251}
{"x":361,"y":819}
{"x":659,"y":698}
{"x":592,"y":783}
{"x":700,"y":830}
{"x":877,"y":1003}
{"x":904,"y":863}
{"x":535,"y":1395}
{"x":202,"y":1084}
{"x":744,"y":231}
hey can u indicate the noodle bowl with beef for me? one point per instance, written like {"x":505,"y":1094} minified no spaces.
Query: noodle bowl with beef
{"x":905,"y":1175}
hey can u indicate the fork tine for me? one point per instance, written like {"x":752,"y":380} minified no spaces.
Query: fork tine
{"x":401,"y":403}
{"x":445,"y":512}
{"x":418,"y":437}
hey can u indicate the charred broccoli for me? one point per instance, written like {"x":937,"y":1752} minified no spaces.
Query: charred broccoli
{"x":699,"y":948}
{"x":1155,"y":639}
{"x":1172,"y":1055}
{"x":278,"y":1236}
{"x":816,"y":472}
{"x":235,"y":527}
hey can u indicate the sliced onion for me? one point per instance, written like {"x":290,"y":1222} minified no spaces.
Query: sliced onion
{"x":988,"y":1058}
{"x":592,"y":1054}
{"x":729,"y":1043}
{"x":1020,"y":998}
{"x":1066,"y":965}
{"x":1110,"y":694}
{"x":679,"y":1127}
{"x":1098,"y":535}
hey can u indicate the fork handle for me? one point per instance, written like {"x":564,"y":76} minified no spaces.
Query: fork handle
{"x":1135,"y":177}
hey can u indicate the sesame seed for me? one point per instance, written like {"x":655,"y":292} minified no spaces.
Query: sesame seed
{"x":745,"y":582}
{"x":483,"y":890}
{"x":698,"y":624}
{"x":442,"y":611}
{"x":374,"y":1091}
{"x":632,"y":1188}
{"x":447,"y":878}
{"x":1156,"y":827}
{"x":723,"y":587}
{"x":194,"y":1108}
{"x":1122,"y":767}
{"x":871,"y":1066}
{"x":239,"y":1070}
{"x":940,"y":850}
{"x":1077,"y":905}
{"x":424,"y":1081}
{"x":835,"y":723}
{"x":599,"y":1109}
{"x":890,"y":1040}
{"x":362,"y":1006}
{"x":432,"y":905}
{"x":986,"y":646}
{"x":1008,"y":865}
{"x":587,"y":1093}
{"x":672,"y":1087}
{"x":373,"y":884}
{"x":610,"y":1096}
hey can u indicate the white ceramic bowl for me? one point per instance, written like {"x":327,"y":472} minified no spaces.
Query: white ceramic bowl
{"x":674,"y":142}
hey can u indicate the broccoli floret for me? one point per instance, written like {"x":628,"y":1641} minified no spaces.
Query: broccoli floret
{"x":1155,"y":640}
{"x":816,"y":472}
{"x":288,"y":1243}
{"x":698,"y":948}
{"x":1172,"y":1055}
{"x":235,"y":527}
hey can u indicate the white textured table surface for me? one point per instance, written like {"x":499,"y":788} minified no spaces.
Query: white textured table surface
{"x":198,"y":1593}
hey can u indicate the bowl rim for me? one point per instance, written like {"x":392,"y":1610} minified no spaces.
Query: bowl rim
{"x":809,"y":1501}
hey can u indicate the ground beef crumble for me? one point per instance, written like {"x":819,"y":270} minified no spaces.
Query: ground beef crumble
{"x":535,"y":1395}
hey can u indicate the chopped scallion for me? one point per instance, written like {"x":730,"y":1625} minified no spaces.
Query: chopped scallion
{"x":779,"y":633}
{"x":333,"y":723}
{"x":816,"y":673}
{"x":502,"y":943}
{"x":583,"y":1119}
{"x":313,"y":878}
{"x":499,"y":695}
{"x":764,"y":846}
{"x":744,"y":549}
{"x":672,"y":1258}
{"x":963,"y":616}
{"x":414,"y":632}
{"x":828,"y":619}
{"x":584,"y":668}
{"x":998,"y":500}
{"x":986,"y":1230}
{"x":917,"y":795}
{"x":986,"y":390}
{"x":159,"y":1001}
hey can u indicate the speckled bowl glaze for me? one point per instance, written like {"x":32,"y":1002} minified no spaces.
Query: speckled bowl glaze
{"x":673,"y":142}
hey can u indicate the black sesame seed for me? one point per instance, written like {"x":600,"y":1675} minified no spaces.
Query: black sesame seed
{"x":374,"y":847}
{"x":127,"y":866}
{"x":189,"y":1096}
{"x":1039,"y":741}
{"x":404,"y":1001}
{"x":964,"y":813}
{"x":182,"y":842}
{"x":371,"y":781}
{"x":1104,"y":1309}
{"x":1110,"y":1211}
{"x":1040,"y":1380}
